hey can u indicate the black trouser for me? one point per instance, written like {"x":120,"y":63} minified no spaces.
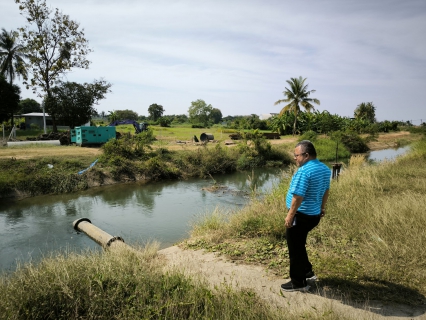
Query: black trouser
{"x":296,"y":243}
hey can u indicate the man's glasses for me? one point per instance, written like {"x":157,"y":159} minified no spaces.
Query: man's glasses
{"x":296,"y":155}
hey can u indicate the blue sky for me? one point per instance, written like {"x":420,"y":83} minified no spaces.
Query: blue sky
{"x":237,"y":55}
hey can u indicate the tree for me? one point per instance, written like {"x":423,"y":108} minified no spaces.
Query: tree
{"x":199,"y":112}
{"x":11,"y":56}
{"x":28,"y":106}
{"x":155,"y":111}
{"x":365,"y":111}
{"x":296,"y":96}
{"x":54,"y":45}
{"x":216,"y":115}
{"x":126,"y":114}
{"x":112,"y":116}
{"x":9,"y":99}
{"x":72,"y":102}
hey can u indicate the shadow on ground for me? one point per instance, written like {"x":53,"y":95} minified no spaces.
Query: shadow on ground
{"x":378,"y":296}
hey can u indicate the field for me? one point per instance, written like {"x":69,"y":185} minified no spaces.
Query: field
{"x":179,"y":138}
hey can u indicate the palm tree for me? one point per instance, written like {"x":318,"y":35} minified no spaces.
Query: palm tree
{"x":366,"y":111}
{"x":12,"y":56}
{"x":296,"y":96}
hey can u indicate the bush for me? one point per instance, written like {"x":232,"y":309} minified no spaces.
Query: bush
{"x":354,"y":142}
{"x":157,"y":169}
{"x":351,"y":140}
{"x":197,"y":126}
{"x":309,"y":135}
{"x":129,"y":147}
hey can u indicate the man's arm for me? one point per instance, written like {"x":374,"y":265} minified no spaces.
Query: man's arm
{"x":324,"y":202}
{"x":296,"y":201}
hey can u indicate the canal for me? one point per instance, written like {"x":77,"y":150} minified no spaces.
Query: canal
{"x":138,"y":212}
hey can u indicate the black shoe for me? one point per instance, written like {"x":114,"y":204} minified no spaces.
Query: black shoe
{"x":289,"y":287}
{"x":310,"y":276}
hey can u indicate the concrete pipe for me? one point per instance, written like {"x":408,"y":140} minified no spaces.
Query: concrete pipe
{"x":206,"y":137}
{"x":21,"y":143}
{"x":102,"y":238}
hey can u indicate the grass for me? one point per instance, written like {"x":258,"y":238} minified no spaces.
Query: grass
{"x":46,"y":175}
{"x":125,"y":284}
{"x":119,"y":285}
{"x":370,"y":245}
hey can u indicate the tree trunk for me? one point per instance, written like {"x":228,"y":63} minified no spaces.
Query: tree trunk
{"x":295,"y":121}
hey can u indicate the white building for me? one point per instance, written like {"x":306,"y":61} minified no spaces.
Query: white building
{"x":267,"y":116}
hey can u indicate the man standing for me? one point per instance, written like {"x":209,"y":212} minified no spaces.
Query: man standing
{"x":306,"y":199}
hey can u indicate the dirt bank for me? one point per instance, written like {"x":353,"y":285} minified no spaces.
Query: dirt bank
{"x":217,"y":270}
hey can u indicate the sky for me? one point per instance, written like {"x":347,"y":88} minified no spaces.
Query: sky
{"x":237,"y":55}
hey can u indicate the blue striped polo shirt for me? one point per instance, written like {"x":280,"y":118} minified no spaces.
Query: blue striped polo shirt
{"x":310,"y":181}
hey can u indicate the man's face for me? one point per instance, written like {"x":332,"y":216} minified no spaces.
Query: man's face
{"x":299,"y":156}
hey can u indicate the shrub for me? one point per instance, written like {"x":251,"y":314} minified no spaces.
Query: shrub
{"x":157,"y":169}
{"x":197,"y":125}
{"x":351,"y":140}
{"x":309,"y":135}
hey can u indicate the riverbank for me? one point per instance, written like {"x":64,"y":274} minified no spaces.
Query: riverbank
{"x":360,"y":251}
{"x":320,"y":303}
{"x":37,"y":169}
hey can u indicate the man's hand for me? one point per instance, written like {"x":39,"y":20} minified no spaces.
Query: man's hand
{"x":322,"y":214}
{"x":289,"y":221}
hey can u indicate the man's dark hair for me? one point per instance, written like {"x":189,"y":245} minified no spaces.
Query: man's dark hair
{"x":307,"y":147}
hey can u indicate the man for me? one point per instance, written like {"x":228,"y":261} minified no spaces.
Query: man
{"x":306,"y":200}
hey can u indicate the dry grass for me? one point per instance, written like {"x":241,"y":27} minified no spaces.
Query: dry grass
{"x":370,"y":245}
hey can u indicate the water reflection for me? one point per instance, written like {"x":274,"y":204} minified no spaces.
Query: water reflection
{"x":387,"y":154}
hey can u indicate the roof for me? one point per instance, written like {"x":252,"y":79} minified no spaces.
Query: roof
{"x":35,"y":114}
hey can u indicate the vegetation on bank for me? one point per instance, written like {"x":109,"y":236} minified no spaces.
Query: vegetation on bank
{"x":143,"y":157}
{"x":369,"y":246}
{"x":133,"y":158}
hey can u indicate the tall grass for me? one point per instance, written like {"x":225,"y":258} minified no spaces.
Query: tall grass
{"x":119,"y":285}
{"x":370,"y":245}
{"x":44,"y":175}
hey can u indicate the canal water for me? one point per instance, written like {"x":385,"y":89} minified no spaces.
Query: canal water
{"x":163,"y":211}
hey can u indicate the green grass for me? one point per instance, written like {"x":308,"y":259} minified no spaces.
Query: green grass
{"x":130,"y":284}
{"x":119,"y":285}
{"x":45,"y":175}
{"x":370,"y":245}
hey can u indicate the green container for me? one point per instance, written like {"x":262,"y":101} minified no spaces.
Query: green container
{"x":73,"y":137}
{"x":93,"y":135}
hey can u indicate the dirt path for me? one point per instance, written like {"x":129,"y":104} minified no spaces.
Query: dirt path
{"x":217,"y":270}
{"x":57,"y":151}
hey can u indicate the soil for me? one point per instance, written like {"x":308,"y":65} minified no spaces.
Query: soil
{"x":217,"y":270}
